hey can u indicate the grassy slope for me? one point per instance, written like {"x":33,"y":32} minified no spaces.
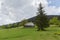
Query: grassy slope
{"x":29,"y":34}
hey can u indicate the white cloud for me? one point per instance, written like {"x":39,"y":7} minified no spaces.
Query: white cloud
{"x":52,"y":10}
{"x":36,"y":2}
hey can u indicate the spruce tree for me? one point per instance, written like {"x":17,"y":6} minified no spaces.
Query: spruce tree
{"x":41,"y":18}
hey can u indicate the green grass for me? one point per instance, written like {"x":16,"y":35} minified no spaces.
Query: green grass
{"x":30,"y":34}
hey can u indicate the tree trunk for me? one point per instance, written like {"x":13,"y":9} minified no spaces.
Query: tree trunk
{"x":41,"y":28}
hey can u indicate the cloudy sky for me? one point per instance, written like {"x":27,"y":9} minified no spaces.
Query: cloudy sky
{"x":16,"y":10}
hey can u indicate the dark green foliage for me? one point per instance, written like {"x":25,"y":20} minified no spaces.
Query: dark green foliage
{"x":41,"y":19}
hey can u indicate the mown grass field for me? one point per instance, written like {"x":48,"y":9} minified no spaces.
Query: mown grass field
{"x":52,"y":33}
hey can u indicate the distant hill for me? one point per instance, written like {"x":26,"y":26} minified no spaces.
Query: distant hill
{"x":49,"y":17}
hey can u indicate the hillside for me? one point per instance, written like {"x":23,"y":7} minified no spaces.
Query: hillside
{"x":49,"y":17}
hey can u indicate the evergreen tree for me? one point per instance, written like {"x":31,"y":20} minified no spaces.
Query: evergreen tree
{"x":41,"y":19}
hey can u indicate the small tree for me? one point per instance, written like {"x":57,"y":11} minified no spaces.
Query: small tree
{"x":54,"y":21}
{"x":41,"y":19}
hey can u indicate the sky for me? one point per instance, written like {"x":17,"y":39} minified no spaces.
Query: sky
{"x":16,"y":10}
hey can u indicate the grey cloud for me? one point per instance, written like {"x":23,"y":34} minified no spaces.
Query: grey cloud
{"x":16,"y":10}
{"x":17,"y":3}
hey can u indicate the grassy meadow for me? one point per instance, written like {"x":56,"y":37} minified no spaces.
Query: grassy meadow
{"x":52,"y":33}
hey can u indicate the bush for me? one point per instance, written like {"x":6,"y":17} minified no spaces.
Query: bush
{"x":54,"y":21}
